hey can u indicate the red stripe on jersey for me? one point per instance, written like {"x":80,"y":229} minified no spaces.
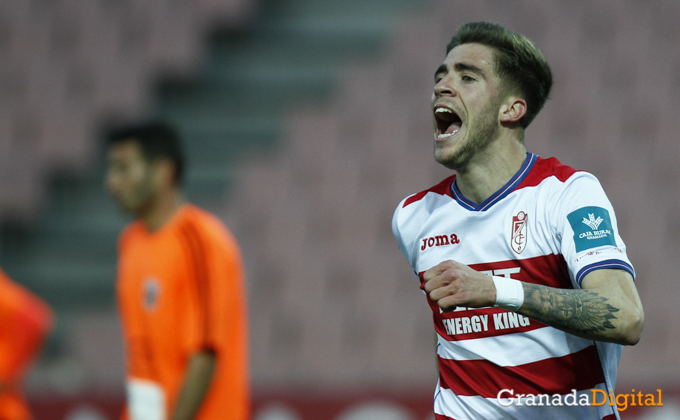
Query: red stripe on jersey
{"x":443,"y":188}
{"x":548,"y":270}
{"x":480,"y":323}
{"x":609,"y":417}
{"x":544,"y":168}
{"x":558,"y":375}
{"x":442,"y":417}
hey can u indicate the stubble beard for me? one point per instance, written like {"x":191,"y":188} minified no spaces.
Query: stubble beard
{"x":478,"y":136}
{"x":141,"y":200}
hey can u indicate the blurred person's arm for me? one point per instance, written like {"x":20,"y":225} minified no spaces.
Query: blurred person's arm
{"x":25,"y":320}
{"x":216,"y":375}
{"x":196,"y":385}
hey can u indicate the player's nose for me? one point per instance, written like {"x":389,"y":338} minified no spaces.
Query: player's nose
{"x":444,"y":87}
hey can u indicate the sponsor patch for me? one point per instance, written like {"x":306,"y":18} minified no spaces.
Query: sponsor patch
{"x":592,"y":227}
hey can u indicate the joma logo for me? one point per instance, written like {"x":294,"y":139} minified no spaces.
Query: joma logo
{"x":439,"y":240}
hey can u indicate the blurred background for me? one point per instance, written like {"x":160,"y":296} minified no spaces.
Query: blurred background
{"x":305,"y":123}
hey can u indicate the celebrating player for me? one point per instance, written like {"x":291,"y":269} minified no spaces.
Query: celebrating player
{"x":520,"y":257}
{"x":25,"y":321}
{"x":180,"y":289}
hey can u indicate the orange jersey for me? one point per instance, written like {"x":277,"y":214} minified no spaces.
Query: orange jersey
{"x":25,"y":320}
{"x":181,"y":291}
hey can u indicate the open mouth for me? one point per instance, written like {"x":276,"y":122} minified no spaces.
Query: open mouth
{"x":448,"y":122}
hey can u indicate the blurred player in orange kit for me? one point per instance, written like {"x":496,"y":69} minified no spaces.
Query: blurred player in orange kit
{"x":181,"y":291}
{"x":25,"y":320}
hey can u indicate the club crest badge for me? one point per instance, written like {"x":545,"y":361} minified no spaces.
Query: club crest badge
{"x":518,"y":240}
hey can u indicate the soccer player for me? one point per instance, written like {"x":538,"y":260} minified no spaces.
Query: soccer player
{"x":520,"y":258}
{"x":25,"y":321}
{"x":180,"y":288}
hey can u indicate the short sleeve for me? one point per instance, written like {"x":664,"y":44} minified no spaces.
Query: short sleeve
{"x":217,"y":281}
{"x":227,"y":298}
{"x":586,"y":228}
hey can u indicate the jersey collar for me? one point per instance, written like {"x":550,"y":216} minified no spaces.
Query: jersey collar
{"x":501,"y":193}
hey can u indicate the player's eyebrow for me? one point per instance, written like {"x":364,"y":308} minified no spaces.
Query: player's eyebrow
{"x":460,"y":67}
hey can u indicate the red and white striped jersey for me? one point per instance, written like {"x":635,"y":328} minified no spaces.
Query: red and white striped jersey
{"x":548,"y":225}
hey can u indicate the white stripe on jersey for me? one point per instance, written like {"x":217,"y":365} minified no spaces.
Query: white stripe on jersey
{"x":513,"y":349}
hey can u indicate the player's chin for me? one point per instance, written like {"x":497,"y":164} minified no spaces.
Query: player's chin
{"x":446,"y":157}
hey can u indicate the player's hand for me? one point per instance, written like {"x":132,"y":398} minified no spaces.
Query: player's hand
{"x":453,"y":284}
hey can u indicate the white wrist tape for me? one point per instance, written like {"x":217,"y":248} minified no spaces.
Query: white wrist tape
{"x":509,"y":293}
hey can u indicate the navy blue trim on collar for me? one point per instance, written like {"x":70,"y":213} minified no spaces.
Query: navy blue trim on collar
{"x":500,"y":194}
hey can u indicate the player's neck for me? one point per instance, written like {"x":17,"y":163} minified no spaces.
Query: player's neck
{"x":162,"y":210}
{"x":490,"y":170}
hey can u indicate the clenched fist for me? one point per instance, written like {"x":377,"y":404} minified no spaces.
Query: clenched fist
{"x":453,"y":284}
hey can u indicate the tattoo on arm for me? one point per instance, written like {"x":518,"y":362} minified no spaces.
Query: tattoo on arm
{"x":581,"y":311}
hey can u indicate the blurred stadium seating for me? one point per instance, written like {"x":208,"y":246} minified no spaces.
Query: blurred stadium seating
{"x":69,"y":65}
{"x":307,"y":122}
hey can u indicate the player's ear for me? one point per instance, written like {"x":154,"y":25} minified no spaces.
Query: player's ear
{"x":164,"y":171}
{"x":512,"y":110}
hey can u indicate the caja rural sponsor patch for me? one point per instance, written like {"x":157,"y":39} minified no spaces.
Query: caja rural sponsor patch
{"x":592,"y":227}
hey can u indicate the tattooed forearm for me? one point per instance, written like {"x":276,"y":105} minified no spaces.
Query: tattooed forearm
{"x":580,"y":311}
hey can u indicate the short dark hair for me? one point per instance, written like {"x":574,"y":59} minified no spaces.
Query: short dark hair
{"x":522,"y":68}
{"x":156,"y":139}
